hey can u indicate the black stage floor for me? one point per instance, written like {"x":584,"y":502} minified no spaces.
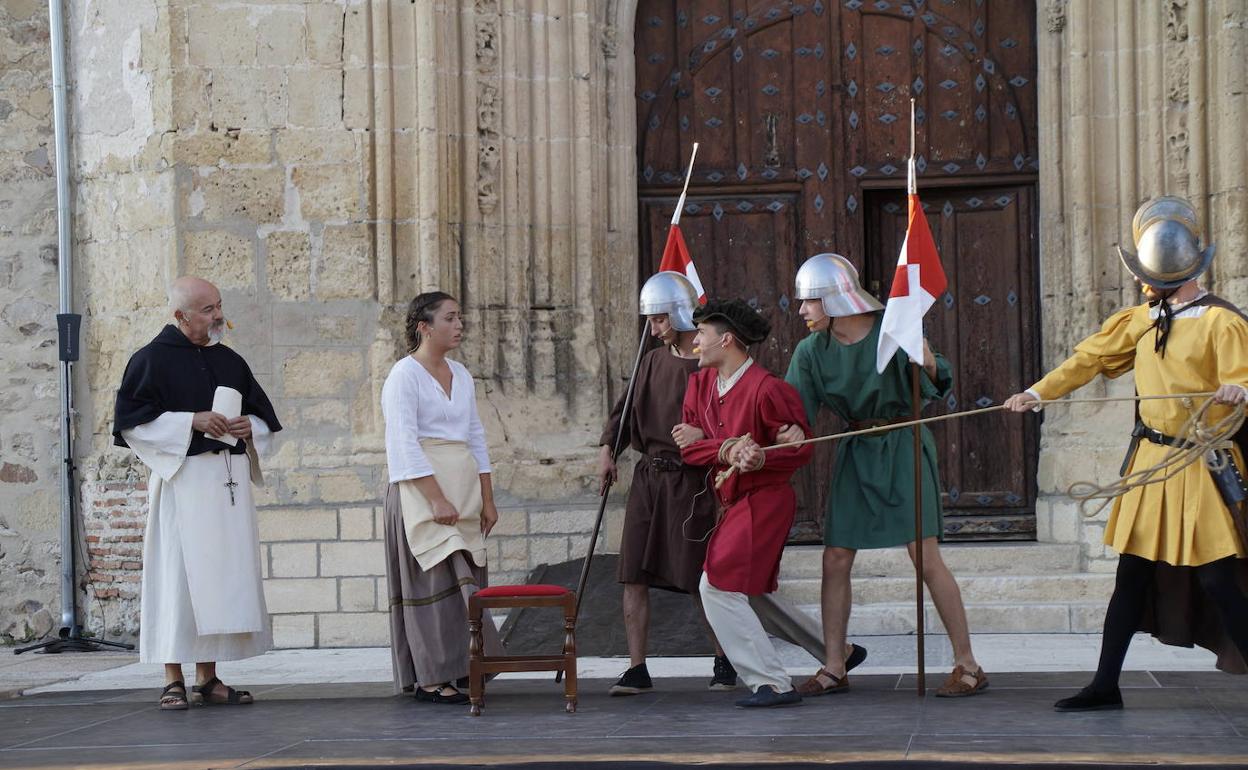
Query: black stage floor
{"x":1190,"y":718}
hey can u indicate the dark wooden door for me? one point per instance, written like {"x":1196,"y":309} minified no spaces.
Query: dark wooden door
{"x":984,"y":325}
{"x":801,"y":110}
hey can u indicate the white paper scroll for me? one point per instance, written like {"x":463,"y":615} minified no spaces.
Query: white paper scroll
{"x":228,"y":403}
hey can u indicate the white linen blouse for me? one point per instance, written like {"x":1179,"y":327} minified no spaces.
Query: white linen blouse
{"x":416,"y":407}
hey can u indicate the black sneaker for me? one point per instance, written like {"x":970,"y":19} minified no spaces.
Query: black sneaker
{"x":1088,"y":699}
{"x":858,"y":655}
{"x":766,"y":697}
{"x":725,"y":676}
{"x":634,"y":681}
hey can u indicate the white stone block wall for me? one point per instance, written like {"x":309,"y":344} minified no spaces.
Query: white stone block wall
{"x":324,"y":569}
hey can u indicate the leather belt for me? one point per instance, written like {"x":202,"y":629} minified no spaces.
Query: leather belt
{"x":878,"y":422}
{"x":1142,"y":431}
{"x":664,"y":464}
{"x":1157,"y":437}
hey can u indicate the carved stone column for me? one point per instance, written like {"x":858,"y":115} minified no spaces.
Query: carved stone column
{"x":1137,"y":100}
{"x":504,"y":179}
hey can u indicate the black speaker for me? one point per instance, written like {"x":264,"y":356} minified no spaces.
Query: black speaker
{"x":67,"y":327}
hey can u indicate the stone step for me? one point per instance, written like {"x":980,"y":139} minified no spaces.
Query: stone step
{"x":805,"y":561}
{"x":1018,"y":590}
{"x":889,"y":618}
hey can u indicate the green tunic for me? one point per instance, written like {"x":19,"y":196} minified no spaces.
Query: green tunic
{"x":871,"y":496}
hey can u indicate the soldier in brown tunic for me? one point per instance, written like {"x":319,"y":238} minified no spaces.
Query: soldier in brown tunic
{"x":670,"y":513}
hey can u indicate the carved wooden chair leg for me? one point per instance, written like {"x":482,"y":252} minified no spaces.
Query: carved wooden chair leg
{"x":569,"y":656}
{"x":476,"y":683}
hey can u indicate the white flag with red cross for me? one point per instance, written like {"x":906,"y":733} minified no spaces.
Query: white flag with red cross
{"x":919,"y":280}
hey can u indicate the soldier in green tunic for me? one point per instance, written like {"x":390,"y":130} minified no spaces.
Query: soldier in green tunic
{"x":871,"y":494}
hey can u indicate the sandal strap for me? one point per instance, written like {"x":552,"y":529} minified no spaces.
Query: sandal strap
{"x":232,"y":696}
{"x":179,"y":684}
{"x":206,"y":688}
{"x":962,"y":681}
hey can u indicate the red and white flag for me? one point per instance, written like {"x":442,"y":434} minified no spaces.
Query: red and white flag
{"x":676,"y":258}
{"x":919,"y":280}
{"x":676,"y":254}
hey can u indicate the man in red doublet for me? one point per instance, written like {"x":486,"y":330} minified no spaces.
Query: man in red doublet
{"x":731,"y":406}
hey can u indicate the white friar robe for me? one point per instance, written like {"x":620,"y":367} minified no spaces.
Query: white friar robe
{"x":202,"y":598}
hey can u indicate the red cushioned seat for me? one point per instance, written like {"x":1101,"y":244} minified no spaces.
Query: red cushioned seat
{"x":537,"y":589}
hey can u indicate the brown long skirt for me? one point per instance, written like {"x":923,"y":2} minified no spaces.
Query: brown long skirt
{"x":429,"y":609}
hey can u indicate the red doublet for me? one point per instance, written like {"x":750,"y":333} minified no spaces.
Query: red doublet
{"x":744,"y":553}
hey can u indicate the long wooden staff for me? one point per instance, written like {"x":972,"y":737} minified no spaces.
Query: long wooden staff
{"x":916,"y":407}
{"x":617,"y":444}
{"x":616,"y":448}
{"x":721,"y":477}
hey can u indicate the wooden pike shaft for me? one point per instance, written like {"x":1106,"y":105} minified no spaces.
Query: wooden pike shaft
{"x":916,"y":406}
{"x":680,"y":202}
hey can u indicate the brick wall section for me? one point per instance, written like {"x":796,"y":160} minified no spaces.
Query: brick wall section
{"x":114,"y":539}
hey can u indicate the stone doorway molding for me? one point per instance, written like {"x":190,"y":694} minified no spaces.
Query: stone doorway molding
{"x":504,"y":168}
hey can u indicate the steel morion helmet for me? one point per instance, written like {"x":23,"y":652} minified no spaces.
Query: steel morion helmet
{"x":1167,"y":241}
{"x":671,"y":293}
{"x":833,"y":279}
{"x":1160,"y":208}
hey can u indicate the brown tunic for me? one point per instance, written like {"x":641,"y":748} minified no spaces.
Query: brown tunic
{"x":659,"y":548}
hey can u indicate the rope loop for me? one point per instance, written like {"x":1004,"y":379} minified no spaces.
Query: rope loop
{"x":1197,"y":440}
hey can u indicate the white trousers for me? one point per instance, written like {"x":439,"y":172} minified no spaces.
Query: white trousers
{"x":741,"y":634}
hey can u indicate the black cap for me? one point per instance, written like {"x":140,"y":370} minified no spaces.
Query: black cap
{"x":742,"y":320}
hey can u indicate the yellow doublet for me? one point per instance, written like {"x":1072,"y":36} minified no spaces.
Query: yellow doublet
{"x":1182,"y":521}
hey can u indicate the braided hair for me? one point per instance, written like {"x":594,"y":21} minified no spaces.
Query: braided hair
{"x":422,"y":308}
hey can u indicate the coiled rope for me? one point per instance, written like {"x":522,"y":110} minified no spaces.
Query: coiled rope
{"x":1196,"y":440}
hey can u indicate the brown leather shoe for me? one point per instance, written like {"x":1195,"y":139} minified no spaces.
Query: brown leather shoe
{"x":962,"y":683}
{"x":823,"y":683}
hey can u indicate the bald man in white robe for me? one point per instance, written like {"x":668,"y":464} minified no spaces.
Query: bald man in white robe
{"x":202,"y":599}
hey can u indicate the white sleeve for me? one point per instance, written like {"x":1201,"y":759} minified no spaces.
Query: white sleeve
{"x":162,"y":443}
{"x":476,"y":437}
{"x":404,"y":455}
{"x":261,"y":436}
{"x":1036,"y":396}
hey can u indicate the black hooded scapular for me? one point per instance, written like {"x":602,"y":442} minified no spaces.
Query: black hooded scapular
{"x":173,"y":374}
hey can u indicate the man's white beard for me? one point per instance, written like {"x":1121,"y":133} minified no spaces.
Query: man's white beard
{"x":216,"y":333}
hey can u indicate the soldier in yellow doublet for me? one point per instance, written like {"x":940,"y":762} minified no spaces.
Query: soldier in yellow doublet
{"x":1183,"y":520}
{"x":1183,"y":564}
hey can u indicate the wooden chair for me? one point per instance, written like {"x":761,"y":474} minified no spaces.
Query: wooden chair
{"x":538,"y":595}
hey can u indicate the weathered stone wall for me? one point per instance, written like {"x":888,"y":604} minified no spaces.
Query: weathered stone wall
{"x":29,"y":371}
{"x":322,"y":162}
{"x":1137,"y":100}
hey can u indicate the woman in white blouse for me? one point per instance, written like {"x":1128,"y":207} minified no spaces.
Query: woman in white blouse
{"x":439,"y":505}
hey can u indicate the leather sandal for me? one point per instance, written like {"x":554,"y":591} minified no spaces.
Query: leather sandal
{"x":232,"y":697}
{"x":815,"y":686}
{"x":173,"y":697}
{"x":962,"y":683}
